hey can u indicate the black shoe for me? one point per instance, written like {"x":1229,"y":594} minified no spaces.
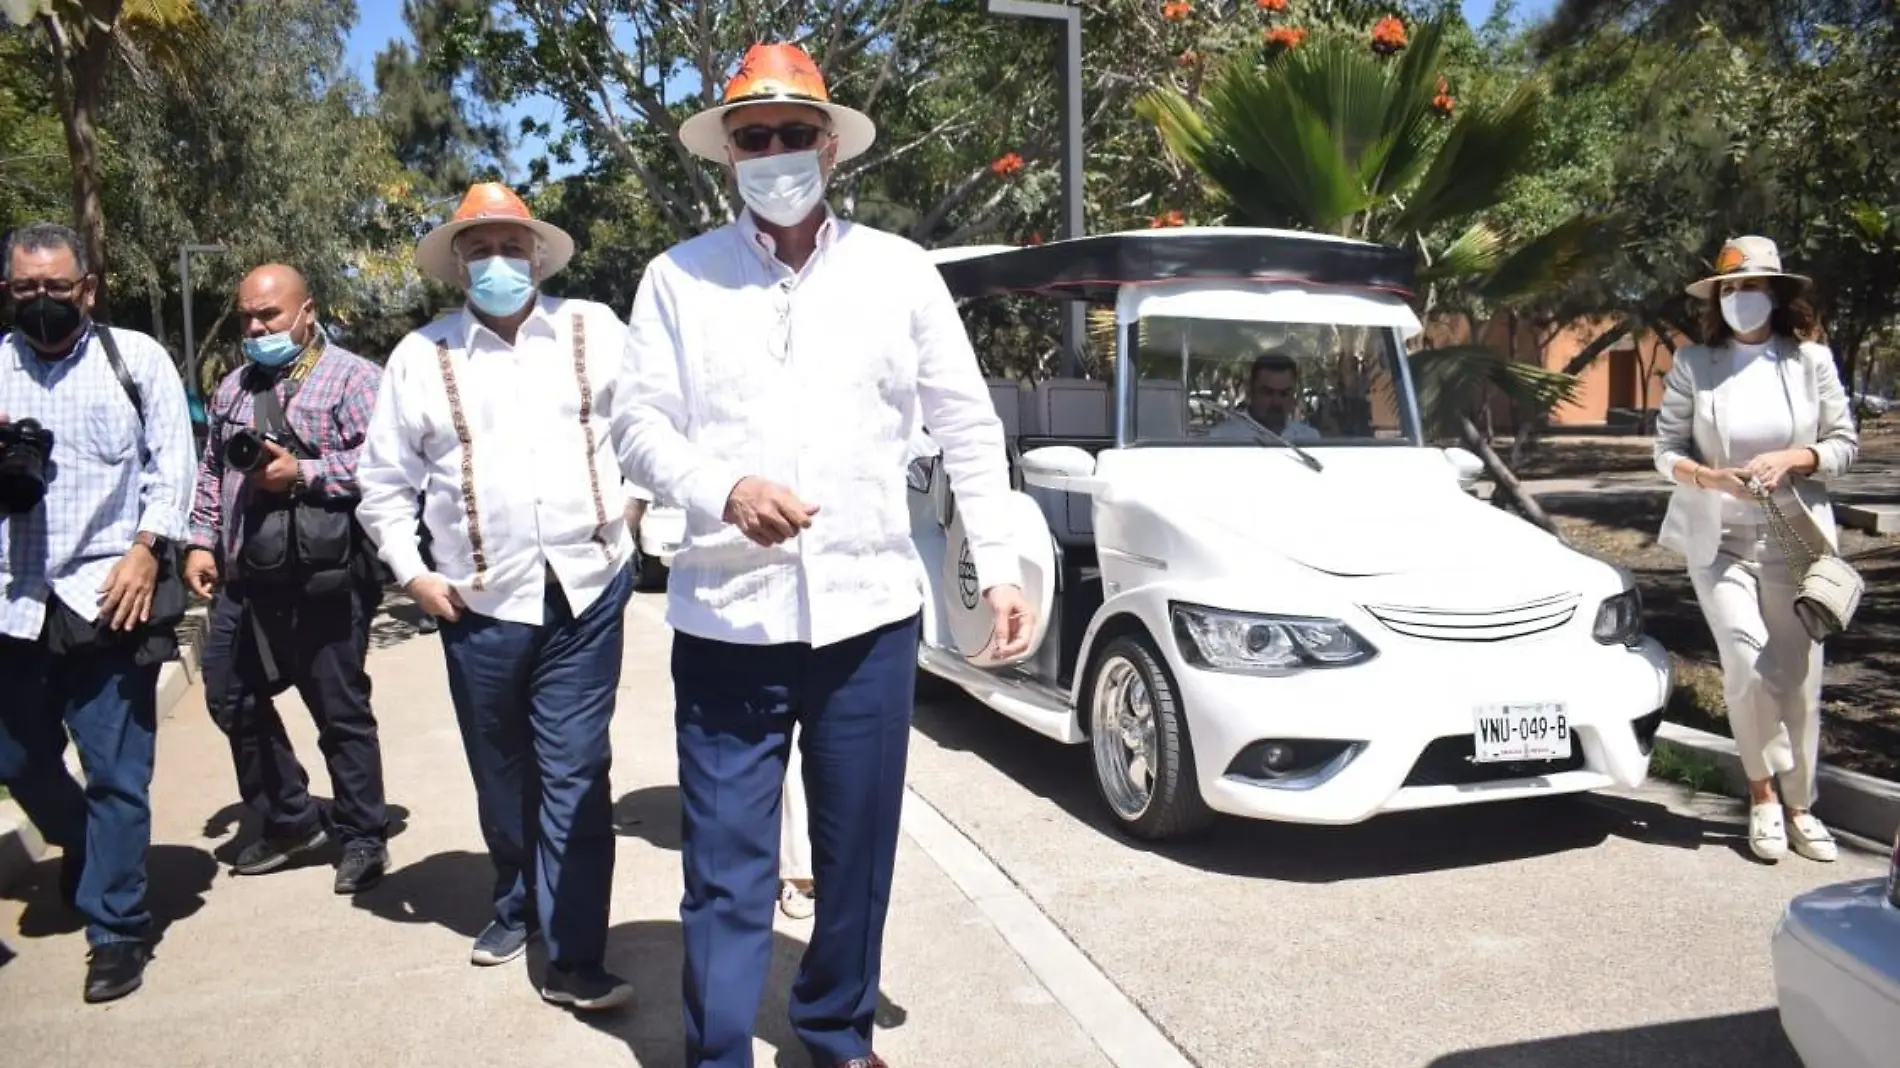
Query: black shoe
{"x":589,"y":989}
{"x":363,"y":866}
{"x":498,"y":945}
{"x":269,"y":854}
{"x":427,"y":624}
{"x":115,"y":970}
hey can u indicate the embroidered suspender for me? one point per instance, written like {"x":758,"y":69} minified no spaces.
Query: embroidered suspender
{"x":587,"y":431}
{"x":469,"y":508}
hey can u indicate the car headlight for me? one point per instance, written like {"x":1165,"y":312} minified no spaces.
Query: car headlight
{"x":1620,"y":619}
{"x":1251,"y":644}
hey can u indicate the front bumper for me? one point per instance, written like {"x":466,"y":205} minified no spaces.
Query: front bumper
{"x":1412,"y":715}
{"x":1837,"y":975}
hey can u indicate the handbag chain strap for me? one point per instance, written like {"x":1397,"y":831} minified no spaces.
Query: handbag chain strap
{"x":1785,"y":532}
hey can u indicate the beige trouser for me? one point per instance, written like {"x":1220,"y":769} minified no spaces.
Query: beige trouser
{"x":1771,"y":669}
{"x":794,"y":834}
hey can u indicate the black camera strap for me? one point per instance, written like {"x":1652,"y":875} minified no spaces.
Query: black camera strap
{"x":104,"y":334}
{"x":269,"y":413}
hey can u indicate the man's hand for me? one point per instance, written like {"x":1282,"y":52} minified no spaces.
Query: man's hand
{"x":125,"y":600}
{"x":768,"y":513}
{"x":278,"y":475}
{"x":201,"y":572}
{"x":1013,"y":621}
{"x":1773,"y":468}
{"x":436,"y":596}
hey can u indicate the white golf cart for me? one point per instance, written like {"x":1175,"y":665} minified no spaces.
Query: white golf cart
{"x":1308,"y":621}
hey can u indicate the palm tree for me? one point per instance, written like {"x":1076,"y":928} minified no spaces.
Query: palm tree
{"x":85,"y":36}
{"x":1331,"y":137}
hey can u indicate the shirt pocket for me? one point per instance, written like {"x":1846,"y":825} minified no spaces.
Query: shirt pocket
{"x":107,"y":435}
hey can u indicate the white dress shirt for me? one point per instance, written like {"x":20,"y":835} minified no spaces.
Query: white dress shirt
{"x":814,"y":380}
{"x":540,"y":498}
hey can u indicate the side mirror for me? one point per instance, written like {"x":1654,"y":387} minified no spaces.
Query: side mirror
{"x":1466,"y":464}
{"x":1059,"y":467}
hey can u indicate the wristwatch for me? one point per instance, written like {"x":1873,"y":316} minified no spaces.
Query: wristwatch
{"x":153,"y":542}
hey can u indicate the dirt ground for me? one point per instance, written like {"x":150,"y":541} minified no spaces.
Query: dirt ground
{"x":1861,"y":699}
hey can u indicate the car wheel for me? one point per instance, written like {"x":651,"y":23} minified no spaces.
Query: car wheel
{"x":1144,"y":762}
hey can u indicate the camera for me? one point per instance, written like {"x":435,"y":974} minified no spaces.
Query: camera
{"x":245,"y":450}
{"x":25,"y":447}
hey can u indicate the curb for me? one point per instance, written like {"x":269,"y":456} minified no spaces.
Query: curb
{"x":20,"y":844}
{"x":1847,"y":800}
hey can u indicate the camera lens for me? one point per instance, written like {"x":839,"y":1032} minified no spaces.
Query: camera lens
{"x":24,"y":449}
{"x":244,"y":450}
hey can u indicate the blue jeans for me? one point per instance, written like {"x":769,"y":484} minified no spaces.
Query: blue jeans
{"x":110,"y":706}
{"x":735,"y":709}
{"x":534,"y":704}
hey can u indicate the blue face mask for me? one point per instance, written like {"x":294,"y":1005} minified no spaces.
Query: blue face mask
{"x":273,"y":350}
{"x":500,"y":285}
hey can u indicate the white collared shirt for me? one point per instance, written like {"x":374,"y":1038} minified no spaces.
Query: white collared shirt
{"x":540,"y":498}
{"x":814,"y":380}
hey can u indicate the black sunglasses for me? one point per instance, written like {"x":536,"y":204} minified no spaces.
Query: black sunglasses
{"x":795,"y":136}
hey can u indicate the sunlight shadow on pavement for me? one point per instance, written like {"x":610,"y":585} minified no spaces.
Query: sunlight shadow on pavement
{"x":1751,"y":1039}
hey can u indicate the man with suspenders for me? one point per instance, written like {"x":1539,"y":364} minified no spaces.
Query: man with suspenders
{"x":500,"y":415}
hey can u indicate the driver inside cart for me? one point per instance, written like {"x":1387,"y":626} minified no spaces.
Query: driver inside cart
{"x":1273,"y":388}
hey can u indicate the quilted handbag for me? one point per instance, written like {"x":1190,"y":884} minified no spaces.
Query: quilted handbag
{"x":1829,"y":587}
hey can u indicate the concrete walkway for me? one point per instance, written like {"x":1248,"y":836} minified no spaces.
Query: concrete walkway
{"x":277,"y":970}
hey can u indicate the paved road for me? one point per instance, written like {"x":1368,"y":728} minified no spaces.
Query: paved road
{"x":1558,"y":934}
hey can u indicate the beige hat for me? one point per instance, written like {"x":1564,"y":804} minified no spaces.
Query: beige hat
{"x":776,"y":74}
{"x":489,"y":202}
{"x":1744,"y":257}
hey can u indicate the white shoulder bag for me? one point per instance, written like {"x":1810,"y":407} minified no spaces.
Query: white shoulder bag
{"x":1829,"y":587}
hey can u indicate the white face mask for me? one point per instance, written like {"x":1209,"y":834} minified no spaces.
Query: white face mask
{"x":1746,"y":310}
{"x":782,"y":189}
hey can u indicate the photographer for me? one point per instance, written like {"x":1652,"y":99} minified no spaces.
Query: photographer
{"x":274,"y":511}
{"x":95,"y":466}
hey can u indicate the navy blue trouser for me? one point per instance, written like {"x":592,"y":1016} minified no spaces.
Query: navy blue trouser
{"x":318,"y":645}
{"x":110,"y":706}
{"x":735,"y":709}
{"x":534,"y":704}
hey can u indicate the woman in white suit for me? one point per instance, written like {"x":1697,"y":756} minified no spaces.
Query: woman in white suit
{"x":1757,"y":403}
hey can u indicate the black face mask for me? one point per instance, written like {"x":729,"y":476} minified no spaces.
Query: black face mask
{"x":49,"y":320}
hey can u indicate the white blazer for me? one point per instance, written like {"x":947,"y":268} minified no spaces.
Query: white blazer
{"x":1691,"y":425}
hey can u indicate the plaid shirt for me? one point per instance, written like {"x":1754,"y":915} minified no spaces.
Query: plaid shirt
{"x":115,"y":479}
{"x":330,"y":413}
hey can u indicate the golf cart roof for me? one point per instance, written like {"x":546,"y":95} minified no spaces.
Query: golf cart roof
{"x":1095,"y":268}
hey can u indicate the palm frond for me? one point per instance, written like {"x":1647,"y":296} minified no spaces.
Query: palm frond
{"x":1409,"y":111}
{"x":1555,"y":258}
{"x":1455,"y":380}
{"x":1486,"y":148}
{"x":1472,"y":254}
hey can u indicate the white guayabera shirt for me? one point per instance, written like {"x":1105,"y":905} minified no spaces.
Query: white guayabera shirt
{"x":815,"y":380}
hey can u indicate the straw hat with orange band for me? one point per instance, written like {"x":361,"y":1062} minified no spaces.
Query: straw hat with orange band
{"x":776,"y":74}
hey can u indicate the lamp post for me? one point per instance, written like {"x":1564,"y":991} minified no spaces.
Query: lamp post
{"x":1069,"y":66}
{"x":191,"y":342}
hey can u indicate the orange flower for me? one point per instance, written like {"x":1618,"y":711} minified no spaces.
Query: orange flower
{"x":1008,"y":165}
{"x":1388,"y":35}
{"x":1188,"y":58}
{"x":1176,"y":10}
{"x":1286,"y":36}
{"x":1036,"y":238}
{"x":1271,"y":5}
{"x":1167,"y":219}
{"x":1443,"y":103}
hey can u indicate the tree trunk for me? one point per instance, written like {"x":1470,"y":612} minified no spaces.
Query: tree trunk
{"x":83,"y":62}
{"x":1502,"y":479}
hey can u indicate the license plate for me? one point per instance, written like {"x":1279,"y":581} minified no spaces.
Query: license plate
{"x":1504,"y":733}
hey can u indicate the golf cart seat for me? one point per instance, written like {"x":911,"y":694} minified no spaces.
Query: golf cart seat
{"x":1069,"y":411}
{"x":1160,"y":412}
{"x":1010,"y":399}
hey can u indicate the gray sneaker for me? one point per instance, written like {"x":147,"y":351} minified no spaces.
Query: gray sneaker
{"x":498,"y":945}
{"x":269,"y":854}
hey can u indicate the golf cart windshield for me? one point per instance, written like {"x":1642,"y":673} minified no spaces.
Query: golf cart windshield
{"x":1220,"y":382}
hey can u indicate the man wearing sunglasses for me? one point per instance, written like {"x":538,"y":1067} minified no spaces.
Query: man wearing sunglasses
{"x":778,"y":368}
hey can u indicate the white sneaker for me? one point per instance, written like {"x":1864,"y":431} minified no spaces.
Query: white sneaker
{"x":796,"y":902}
{"x":1811,"y":839}
{"x":1767,"y":836}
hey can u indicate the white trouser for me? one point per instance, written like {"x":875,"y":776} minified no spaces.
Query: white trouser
{"x":1771,"y":669}
{"x":794,"y":833}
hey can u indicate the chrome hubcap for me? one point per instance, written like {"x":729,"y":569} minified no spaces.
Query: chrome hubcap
{"x":1123,"y":734}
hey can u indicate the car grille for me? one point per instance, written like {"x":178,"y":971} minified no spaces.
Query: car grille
{"x":1449,"y":762}
{"x":1485,"y":625}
